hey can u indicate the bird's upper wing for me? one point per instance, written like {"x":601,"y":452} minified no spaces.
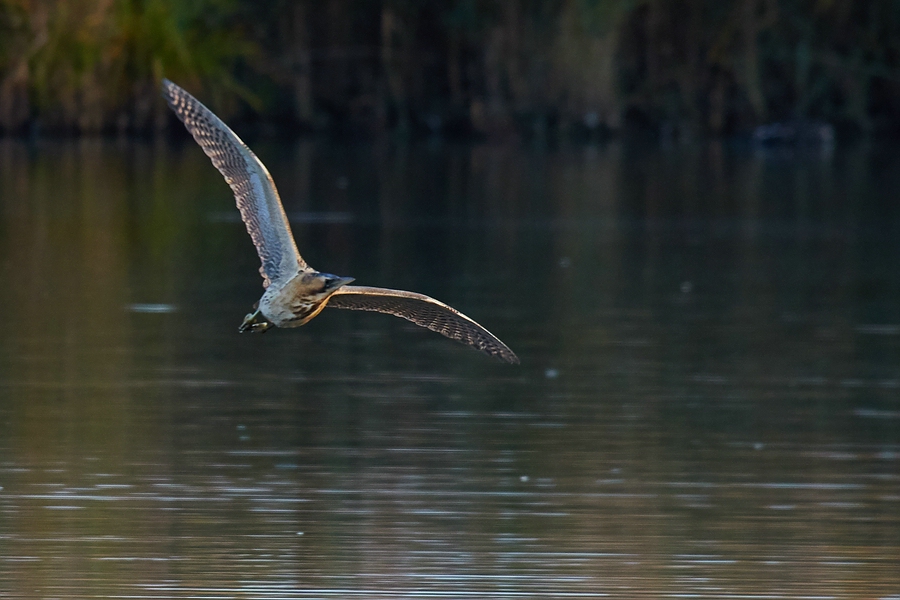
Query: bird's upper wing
{"x":424,"y":311}
{"x":253,"y":188}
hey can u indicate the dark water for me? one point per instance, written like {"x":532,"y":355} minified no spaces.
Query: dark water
{"x":708,"y":404}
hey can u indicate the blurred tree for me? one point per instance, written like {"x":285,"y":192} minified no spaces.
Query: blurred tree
{"x":89,"y":66}
{"x":681,"y":67}
{"x":19,"y":43}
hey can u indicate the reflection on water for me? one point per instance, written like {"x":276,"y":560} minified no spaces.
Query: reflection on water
{"x":708,"y":405}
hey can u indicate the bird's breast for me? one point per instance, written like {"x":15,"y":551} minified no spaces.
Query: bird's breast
{"x":291,"y":305}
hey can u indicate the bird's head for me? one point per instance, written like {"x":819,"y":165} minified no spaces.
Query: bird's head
{"x":322,"y":285}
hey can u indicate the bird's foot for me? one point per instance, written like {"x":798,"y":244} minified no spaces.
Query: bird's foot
{"x":254,"y":323}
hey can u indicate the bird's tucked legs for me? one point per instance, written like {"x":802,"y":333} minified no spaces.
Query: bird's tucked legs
{"x":254,"y":322}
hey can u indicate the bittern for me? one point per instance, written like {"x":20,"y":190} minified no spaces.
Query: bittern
{"x":294,"y":291}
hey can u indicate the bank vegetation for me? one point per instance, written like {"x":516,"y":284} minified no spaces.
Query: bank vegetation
{"x":587,"y":68}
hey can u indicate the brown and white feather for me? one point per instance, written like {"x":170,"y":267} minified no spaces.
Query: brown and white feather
{"x":424,"y":311}
{"x":254,"y":191}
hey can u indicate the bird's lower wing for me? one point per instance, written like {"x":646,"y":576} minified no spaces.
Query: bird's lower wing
{"x":424,"y":311}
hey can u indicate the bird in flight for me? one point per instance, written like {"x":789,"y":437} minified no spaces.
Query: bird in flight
{"x":294,"y":291}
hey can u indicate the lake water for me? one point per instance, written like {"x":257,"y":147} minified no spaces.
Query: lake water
{"x":708,"y":404}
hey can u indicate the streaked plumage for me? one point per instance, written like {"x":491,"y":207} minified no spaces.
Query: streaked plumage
{"x":294,"y":292}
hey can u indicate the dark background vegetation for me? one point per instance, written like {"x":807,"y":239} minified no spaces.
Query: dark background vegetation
{"x":586,"y":68}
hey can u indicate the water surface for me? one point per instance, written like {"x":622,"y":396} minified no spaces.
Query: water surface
{"x":708,"y":403}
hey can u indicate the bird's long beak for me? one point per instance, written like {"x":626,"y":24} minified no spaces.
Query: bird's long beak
{"x":335,"y":283}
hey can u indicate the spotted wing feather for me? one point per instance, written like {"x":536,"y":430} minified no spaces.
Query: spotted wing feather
{"x":254,"y":190}
{"x":425,"y":312}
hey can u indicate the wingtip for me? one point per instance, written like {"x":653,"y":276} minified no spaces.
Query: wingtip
{"x":509,"y":357}
{"x":168,"y":90}
{"x":501,"y":352}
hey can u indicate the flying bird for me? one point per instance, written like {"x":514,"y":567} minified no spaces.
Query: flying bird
{"x":294,"y":291}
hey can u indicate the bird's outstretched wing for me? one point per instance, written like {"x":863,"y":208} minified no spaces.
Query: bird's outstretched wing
{"x":424,"y":311}
{"x":254,"y":190}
